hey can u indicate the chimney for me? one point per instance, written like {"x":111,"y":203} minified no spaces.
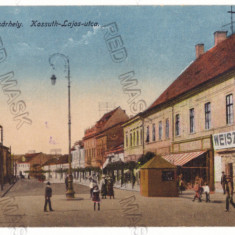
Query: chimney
{"x":199,"y":49}
{"x":220,"y":36}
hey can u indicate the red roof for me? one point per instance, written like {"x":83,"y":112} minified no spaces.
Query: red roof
{"x":214,"y":62}
{"x":55,"y":161}
{"x":105,"y":118}
{"x":117,"y":149}
{"x":99,"y":124}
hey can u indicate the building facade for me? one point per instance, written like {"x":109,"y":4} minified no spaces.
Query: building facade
{"x":22,"y":167}
{"x":56,"y":169}
{"x":106,"y":134}
{"x":78,"y":155}
{"x":133,"y":131}
{"x":197,"y":106}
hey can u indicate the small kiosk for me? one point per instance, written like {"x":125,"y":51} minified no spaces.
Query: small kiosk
{"x":158,"y":178}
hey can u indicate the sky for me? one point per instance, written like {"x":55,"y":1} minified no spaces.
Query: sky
{"x":159,"y":42}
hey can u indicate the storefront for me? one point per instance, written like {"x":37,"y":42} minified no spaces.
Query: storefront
{"x":191,"y":165}
{"x":224,"y":152}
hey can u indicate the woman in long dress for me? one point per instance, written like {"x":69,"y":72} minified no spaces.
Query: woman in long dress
{"x":103,"y":187}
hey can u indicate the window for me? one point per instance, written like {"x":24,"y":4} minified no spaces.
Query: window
{"x":160,"y":130}
{"x":137,"y":137}
{"x":141,"y":136}
{"x":147,"y":134}
{"x":153,"y":133}
{"x":208,"y":115}
{"x":191,"y":120}
{"x":126,"y":139}
{"x":168,"y":175}
{"x":134,"y":142}
{"x":229,"y":109}
{"x":177,"y":124}
{"x":131,"y":140}
{"x":167,"y":128}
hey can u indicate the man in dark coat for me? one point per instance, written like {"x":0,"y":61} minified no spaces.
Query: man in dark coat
{"x":223,"y":181}
{"x":110,"y":192}
{"x":48,"y":195}
{"x":66,"y":182}
{"x":229,"y":192}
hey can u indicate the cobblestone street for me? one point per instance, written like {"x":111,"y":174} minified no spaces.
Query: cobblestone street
{"x":127,"y":209}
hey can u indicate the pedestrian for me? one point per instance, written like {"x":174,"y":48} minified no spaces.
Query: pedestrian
{"x":180,"y":183}
{"x":229,"y":192}
{"x":206,"y":190}
{"x":133,"y":181}
{"x":223,"y":181}
{"x":110,"y":192}
{"x":91,"y":185}
{"x":103,"y":187}
{"x":96,"y":197}
{"x":66,"y":182}
{"x":197,"y":189}
{"x":48,"y":195}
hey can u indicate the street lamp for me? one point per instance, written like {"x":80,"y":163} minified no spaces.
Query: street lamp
{"x":70,"y":192}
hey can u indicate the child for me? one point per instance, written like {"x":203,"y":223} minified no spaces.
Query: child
{"x":96,"y":197}
{"x":206,"y":189}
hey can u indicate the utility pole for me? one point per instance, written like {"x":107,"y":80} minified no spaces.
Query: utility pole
{"x":231,"y":23}
{"x":231,"y":12}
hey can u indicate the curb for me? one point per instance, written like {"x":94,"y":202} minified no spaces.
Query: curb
{"x":4,"y":194}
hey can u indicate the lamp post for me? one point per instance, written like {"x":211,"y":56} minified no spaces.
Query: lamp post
{"x":70,"y":192}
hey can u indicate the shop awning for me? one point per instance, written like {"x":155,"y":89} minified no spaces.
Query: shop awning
{"x":180,"y":159}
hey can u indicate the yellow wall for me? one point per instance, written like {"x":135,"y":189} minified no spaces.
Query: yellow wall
{"x":137,"y":146}
{"x":216,"y":95}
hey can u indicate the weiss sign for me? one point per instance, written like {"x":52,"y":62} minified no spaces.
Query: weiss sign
{"x":224,"y":140}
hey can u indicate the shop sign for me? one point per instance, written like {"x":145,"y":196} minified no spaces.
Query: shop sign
{"x":224,"y":140}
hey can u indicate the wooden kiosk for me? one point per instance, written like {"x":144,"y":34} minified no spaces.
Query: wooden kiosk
{"x":158,"y":178}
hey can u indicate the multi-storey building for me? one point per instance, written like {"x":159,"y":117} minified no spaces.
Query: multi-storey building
{"x":56,"y":168}
{"x":133,"y":138}
{"x":6,"y":170}
{"x":194,"y":109}
{"x":107,"y":133}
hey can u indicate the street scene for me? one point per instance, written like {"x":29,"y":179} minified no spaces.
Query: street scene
{"x":97,"y":133}
{"x":128,"y":208}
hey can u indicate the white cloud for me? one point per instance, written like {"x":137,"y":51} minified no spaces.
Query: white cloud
{"x":25,"y":46}
{"x":85,"y":38}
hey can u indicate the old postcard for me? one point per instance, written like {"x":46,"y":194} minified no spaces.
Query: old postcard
{"x":117,"y":116}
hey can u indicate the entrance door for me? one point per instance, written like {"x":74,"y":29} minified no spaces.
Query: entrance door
{"x":229,"y":169}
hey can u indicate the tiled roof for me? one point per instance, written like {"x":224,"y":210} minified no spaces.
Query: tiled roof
{"x":30,"y":155}
{"x":60,"y":160}
{"x":116,"y":149}
{"x":211,"y":64}
{"x":105,"y":118}
{"x":99,"y":124}
{"x":158,"y":163}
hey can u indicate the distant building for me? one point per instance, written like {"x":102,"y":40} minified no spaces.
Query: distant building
{"x":31,"y":162}
{"x":6,"y":171}
{"x":106,"y":134}
{"x":78,"y":155}
{"x":5,"y":164}
{"x":23,"y":167}
{"x":114,"y":155}
{"x":56,"y":168}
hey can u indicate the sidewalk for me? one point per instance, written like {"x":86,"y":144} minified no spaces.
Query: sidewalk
{"x":6,"y":188}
